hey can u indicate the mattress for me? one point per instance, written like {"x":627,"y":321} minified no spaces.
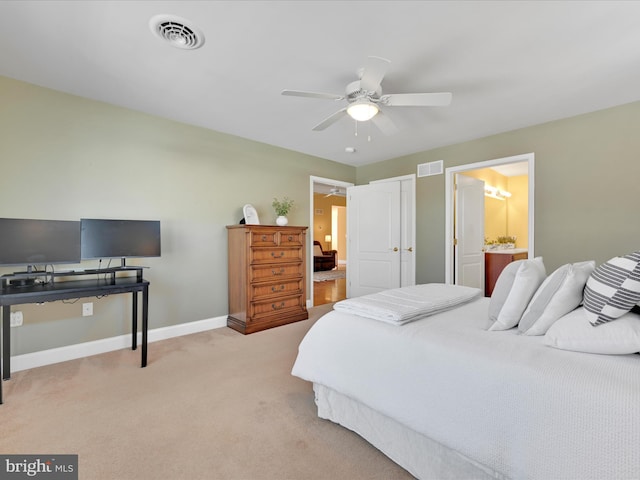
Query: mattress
{"x":505,"y":401}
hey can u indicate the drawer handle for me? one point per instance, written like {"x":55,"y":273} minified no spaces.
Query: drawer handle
{"x":275,"y":289}
{"x":291,"y":238}
{"x":264,"y":238}
{"x":281,"y":272}
{"x":273,"y":254}
{"x":277,"y":307}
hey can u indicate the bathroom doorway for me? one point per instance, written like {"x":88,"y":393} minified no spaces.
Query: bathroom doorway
{"x":497,"y":175}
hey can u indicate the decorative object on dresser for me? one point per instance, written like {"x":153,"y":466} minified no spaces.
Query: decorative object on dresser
{"x":250,"y":215}
{"x":282,"y":209}
{"x":267,"y":284}
{"x":494,"y":263}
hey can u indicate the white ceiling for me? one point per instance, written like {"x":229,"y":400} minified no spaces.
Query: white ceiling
{"x":508,"y":64}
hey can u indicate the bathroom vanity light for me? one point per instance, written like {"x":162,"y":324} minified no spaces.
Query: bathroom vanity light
{"x":494,"y":192}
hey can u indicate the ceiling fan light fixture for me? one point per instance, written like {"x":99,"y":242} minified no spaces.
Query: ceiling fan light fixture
{"x":362,"y":110}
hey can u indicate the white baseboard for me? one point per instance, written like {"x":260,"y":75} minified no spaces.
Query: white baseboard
{"x":80,"y":350}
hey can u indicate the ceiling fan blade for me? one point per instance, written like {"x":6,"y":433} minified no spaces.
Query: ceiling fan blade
{"x":373,"y":73}
{"x":417,"y":99}
{"x":385,"y":124}
{"x":300,"y":93}
{"x":330,"y":120}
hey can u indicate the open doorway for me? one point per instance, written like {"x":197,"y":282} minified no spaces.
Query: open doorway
{"x":495,"y":174}
{"x":328,"y":240}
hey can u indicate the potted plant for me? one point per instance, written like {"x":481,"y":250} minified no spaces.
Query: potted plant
{"x":507,"y":241}
{"x":282,"y":209}
{"x":490,"y":244}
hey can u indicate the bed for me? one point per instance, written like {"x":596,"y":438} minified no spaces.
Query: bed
{"x":445,"y":396}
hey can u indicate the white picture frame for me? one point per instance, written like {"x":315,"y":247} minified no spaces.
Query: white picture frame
{"x":250,"y":215}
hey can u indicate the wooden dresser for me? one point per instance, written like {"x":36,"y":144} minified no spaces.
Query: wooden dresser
{"x":267,"y":284}
{"x":494,"y":263}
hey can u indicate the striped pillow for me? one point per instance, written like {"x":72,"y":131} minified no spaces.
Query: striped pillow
{"x":613,"y":289}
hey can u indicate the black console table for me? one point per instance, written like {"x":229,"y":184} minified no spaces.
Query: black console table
{"x":106,"y":283}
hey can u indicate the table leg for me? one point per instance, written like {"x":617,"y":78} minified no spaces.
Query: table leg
{"x":145,"y":323}
{"x":6,"y":342}
{"x":134,"y":322}
{"x":2,"y":320}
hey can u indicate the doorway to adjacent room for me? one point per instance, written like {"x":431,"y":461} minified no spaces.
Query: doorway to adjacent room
{"x":464,"y":243}
{"x":328,"y":237}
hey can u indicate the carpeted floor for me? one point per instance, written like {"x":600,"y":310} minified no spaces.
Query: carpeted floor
{"x":212,"y":405}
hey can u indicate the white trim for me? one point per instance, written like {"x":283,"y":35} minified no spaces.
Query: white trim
{"x":87,"y":349}
{"x":411,"y":176}
{"x":448,"y":209}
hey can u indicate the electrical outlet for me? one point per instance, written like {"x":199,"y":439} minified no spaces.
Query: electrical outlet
{"x":87,"y":309}
{"x":16,"y":319}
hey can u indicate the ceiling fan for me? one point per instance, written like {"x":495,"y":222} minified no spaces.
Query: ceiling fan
{"x":335,"y":191}
{"x":365,"y":99}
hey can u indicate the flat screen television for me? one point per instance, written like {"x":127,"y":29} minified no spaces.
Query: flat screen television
{"x":38,"y":242}
{"x":102,"y":238}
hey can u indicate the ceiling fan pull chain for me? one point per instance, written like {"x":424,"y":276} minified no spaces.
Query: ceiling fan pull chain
{"x":356,"y":128}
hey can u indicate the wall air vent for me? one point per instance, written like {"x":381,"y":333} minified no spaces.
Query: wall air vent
{"x":178,"y":32}
{"x":431,"y":168}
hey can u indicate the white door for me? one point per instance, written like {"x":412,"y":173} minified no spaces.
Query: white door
{"x":373,"y":238}
{"x":469,"y":232}
{"x":407,"y":227}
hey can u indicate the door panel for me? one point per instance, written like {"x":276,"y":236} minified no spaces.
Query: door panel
{"x":373,"y":237}
{"x":469,"y":232}
{"x":407,"y":233}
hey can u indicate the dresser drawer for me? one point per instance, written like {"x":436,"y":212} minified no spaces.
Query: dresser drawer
{"x":275,"y":255}
{"x":286,"y":287}
{"x":260,"y":310}
{"x":291,"y":238}
{"x":264,"y":273}
{"x":263,"y":238}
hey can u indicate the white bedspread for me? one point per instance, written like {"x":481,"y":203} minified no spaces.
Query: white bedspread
{"x":403,"y":305}
{"x":507,"y":401}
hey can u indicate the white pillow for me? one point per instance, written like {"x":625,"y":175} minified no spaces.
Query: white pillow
{"x":560,"y":293}
{"x":317,"y":251}
{"x":575,"y":332}
{"x":515,"y":286}
{"x":613,"y":288}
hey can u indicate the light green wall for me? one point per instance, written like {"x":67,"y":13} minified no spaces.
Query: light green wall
{"x":586,"y":187}
{"x":65,"y":157}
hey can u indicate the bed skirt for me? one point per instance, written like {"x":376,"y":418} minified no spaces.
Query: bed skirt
{"x":419,"y":455}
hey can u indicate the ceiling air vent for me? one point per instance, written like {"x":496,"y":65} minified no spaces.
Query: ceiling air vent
{"x":431,"y":168}
{"x":177,"y":31}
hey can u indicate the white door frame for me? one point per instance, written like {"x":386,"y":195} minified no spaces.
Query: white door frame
{"x":327,"y":181}
{"x":449,"y":202}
